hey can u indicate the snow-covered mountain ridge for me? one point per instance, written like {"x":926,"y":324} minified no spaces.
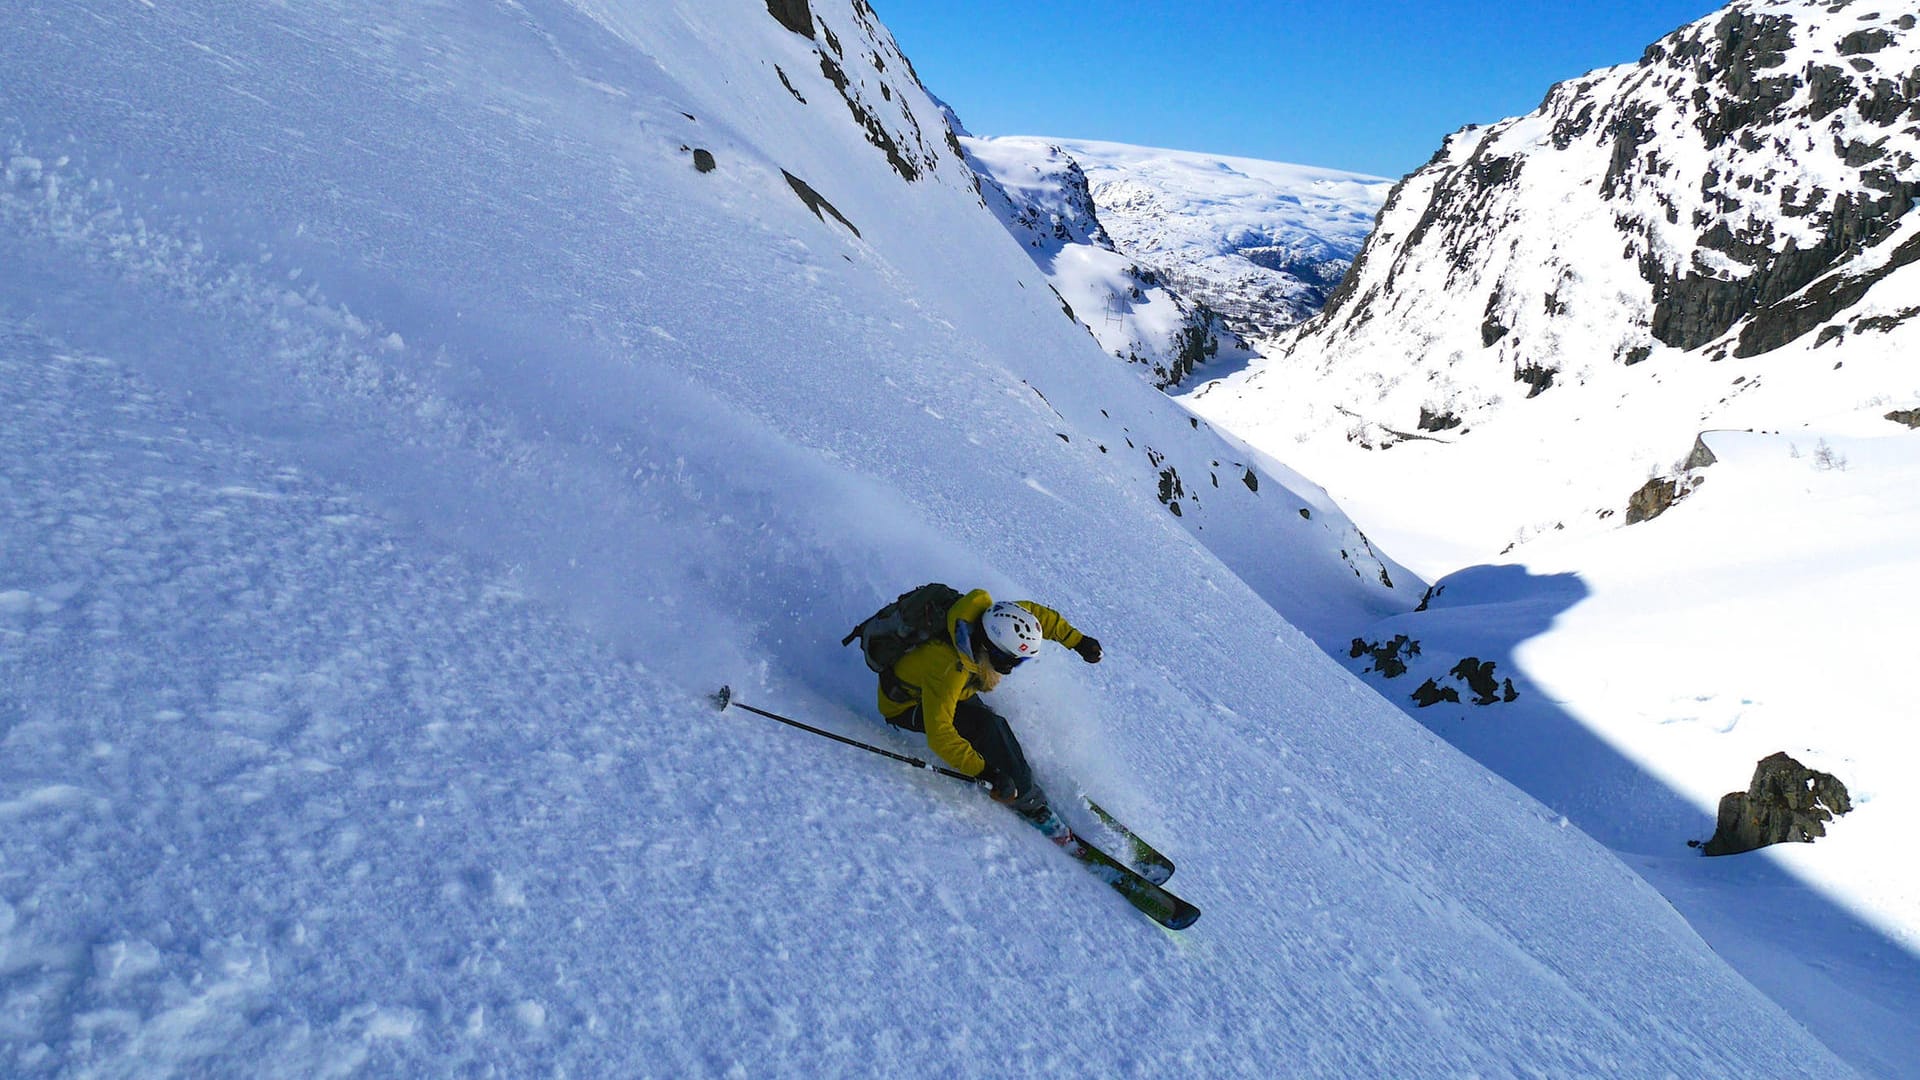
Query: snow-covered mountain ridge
{"x":1745,"y":186}
{"x":1042,"y":196}
{"x":1689,"y":198}
{"x":1261,"y":242}
{"x":411,"y":413}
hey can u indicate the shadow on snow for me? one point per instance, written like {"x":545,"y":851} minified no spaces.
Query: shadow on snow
{"x":1852,"y":986}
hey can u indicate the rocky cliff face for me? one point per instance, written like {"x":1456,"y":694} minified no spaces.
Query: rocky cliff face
{"x":866,"y":69}
{"x":1749,"y":182}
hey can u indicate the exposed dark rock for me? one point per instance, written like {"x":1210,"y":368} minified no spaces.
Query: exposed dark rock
{"x":1796,"y":315}
{"x":1196,"y":342}
{"x":1629,"y":131}
{"x":1865,"y":41}
{"x":1884,"y":323}
{"x":877,"y":133}
{"x":1432,"y":693}
{"x":1700,"y":456}
{"x":1653,"y":499}
{"x":795,"y":15}
{"x":1746,"y":44}
{"x":1830,"y":90}
{"x":815,"y":202}
{"x":1693,"y":309}
{"x":1171,"y":489}
{"x":1389,"y":658}
{"x":1909,"y":417}
{"x":1437,"y":421}
{"x":1478,"y":675}
{"x":788,"y":83}
{"x":1491,"y":328}
{"x":1252,"y":482}
{"x":1536,"y":376}
{"x":703,"y":161}
{"x":1785,"y":802}
{"x":1064,"y":306}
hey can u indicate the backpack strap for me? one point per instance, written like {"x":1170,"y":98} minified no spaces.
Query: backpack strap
{"x":898,"y":689}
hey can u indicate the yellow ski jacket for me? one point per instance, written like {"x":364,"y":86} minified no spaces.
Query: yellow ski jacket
{"x":939,"y":675}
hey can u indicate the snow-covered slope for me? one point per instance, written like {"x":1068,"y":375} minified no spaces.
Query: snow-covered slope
{"x":1654,"y":666}
{"x":1261,"y":242}
{"x":409,"y":414}
{"x":1041,"y":196}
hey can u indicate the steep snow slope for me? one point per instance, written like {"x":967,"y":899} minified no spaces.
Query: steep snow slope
{"x":405,"y":427}
{"x":1261,"y":242}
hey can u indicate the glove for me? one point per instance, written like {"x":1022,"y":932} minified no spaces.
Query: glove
{"x":1089,"y":649}
{"x":999,"y":786}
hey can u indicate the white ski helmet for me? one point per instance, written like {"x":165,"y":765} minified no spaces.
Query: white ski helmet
{"x":1013,"y":630}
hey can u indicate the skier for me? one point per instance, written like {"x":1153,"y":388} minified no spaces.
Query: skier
{"x":931,"y":689}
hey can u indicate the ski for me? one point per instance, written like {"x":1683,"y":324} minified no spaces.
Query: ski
{"x":1153,"y":901}
{"x":1150,"y":864}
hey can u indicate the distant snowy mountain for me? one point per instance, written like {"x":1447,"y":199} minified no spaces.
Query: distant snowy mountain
{"x":1260,"y":242}
{"x":1041,"y":195}
{"x":412,"y":413}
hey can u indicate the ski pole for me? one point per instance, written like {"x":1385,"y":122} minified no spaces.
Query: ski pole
{"x":724,"y":698}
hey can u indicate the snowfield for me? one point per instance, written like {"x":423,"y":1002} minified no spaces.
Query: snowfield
{"x":405,"y":429}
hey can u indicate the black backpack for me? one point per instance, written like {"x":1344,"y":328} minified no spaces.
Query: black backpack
{"x":915,"y":617}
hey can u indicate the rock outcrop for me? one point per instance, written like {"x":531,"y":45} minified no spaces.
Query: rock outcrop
{"x":1786,"y":803}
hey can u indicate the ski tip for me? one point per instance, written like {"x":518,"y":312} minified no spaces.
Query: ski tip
{"x":1183,"y":918}
{"x":721,"y":698}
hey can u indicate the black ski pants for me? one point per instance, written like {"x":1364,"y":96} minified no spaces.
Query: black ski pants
{"x":991,"y":737}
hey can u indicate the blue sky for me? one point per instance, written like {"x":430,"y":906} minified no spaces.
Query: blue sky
{"x":1370,"y":87}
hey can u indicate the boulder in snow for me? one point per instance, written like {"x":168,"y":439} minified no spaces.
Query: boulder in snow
{"x":1785,"y":802}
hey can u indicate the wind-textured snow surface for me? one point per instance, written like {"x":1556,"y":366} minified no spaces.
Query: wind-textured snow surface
{"x":402,"y":434}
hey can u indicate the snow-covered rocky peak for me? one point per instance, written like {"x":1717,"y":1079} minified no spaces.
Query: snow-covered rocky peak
{"x":1261,"y":242}
{"x":1047,"y":192}
{"x":1683,"y":202}
{"x":1717,"y":235}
